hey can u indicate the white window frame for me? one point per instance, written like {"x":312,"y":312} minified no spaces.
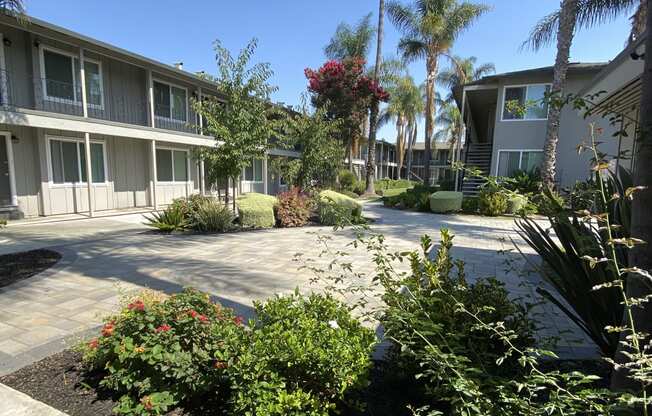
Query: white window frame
{"x":253,"y":166}
{"x":49,"y":138}
{"x":173,"y":181}
{"x":526,"y":86}
{"x":170,"y":119}
{"x":74,"y":101}
{"x":520,"y":156}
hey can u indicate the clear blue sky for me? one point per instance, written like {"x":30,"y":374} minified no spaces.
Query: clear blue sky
{"x":292,"y":33}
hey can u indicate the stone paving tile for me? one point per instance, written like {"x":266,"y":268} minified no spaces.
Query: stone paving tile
{"x":11,"y":347}
{"x":103,"y":257}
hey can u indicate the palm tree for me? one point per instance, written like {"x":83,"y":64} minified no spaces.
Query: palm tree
{"x":429,"y":29}
{"x":449,"y":119}
{"x":463,"y":71}
{"x":13,"y":6}
{"x":351,"y":41}
{"x":562,"y":24}
{"x":373,"y":114}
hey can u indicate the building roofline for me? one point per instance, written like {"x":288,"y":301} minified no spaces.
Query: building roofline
{"x":577,"y":67}
{"x":614,"y":63}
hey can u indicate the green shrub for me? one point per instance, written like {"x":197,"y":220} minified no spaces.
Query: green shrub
{"x":335,"y":207}
{"x":256,"y":210}
{"x":525,"y":182}
{"x":350,"y":194}
{"x":464,"y":367}
{"x":359,"y":187}
{"x":492,"y":202}
{"x":390,"y":192}
{"x":383,"y":184}
{"x":470,"y":204}
{"x":303,"y":355}
{"x":173,"y":218}
{"x":159,"y":353}
{"x":417,"y":198}
{"x":212,"y":216}
{"x":445,"y":201}
{"x":346,"y":179}
{"x":293,"y":208}
{"x":516,"y":203}
{"x":447,"y":184}
{"x":3,"y":222}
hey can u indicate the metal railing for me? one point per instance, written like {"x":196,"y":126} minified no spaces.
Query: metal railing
{"x":119,"y":104}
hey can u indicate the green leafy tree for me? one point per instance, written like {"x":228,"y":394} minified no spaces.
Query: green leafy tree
{"x":243,"y":120}
{"x":430,"y":27}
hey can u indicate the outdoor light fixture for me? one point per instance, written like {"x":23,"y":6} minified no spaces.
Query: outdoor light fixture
{"x":6,"y":41}
{"x":37,"y":43}
{"x":636,"y":56}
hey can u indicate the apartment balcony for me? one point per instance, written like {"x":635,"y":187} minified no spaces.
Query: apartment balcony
{"x":125,"y":104}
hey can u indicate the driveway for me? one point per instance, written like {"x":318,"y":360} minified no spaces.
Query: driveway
{"x":105,"y":256}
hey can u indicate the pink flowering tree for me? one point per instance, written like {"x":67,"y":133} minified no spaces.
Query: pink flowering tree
{"x":347,"y":94}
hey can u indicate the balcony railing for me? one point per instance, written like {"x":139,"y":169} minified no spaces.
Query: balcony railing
{"x":119,"y":104}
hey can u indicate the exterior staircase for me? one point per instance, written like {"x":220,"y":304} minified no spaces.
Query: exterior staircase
{"x":478,"y":155}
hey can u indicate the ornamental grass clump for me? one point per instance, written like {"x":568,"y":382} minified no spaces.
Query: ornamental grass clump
{"x":162,"y":352}
{"x":305,"y":355}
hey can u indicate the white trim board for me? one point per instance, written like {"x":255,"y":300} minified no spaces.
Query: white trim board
{"x":52,"y":184}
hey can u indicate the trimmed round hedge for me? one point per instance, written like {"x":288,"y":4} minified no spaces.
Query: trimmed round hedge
{"x":256,"y":210}
{"x":445,"y":201}
{"x":332,"y":204}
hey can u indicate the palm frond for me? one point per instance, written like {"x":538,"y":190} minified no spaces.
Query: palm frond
{"x":543,"y":33}
{"x":403,"y":17}
{"x":412,"y":49}
{"x":351,"y":41}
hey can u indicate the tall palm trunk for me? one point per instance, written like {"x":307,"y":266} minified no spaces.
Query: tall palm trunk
{"x":411,"y":141}
{"x":401,"y":129}
{"x":431,"y":74}
{"x":373,"y":117}
{"x":641,"y":255}
{"x":638,"y":21}
{"x":565,"y":32}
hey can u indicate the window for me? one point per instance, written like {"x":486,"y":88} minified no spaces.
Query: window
{"x":254,"y":171}
{"x":513,"y":160}
{"x":68,"y":161}
{"x":61,"y":78}
{"x":170,"y":102}
{"x":528,"y":100}
{"x":171,"y":165}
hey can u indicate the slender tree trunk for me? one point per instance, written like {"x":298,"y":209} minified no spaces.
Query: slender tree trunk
{"x":565,"y":34}
{"x":431,"y":74}
{"x":411,"y":141}
{"x":226,"y":192}
{"x":373,"y":117}
{"x":641,"y":227}
{"x":350,"y":151}
{"x":400,"y":141}
{"x":235,"y":184}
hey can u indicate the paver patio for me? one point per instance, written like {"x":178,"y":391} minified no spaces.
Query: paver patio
{"x":103,"y":256}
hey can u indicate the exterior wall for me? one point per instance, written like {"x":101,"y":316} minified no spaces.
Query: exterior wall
{"x":127,"y":183}
{"x":530,"y":134}
{"x":27,"y":170}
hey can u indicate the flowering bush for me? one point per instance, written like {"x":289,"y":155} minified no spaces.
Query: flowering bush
{"x":304,"y":354}
{"x":293,"y":208}
{"x":160,"y":352}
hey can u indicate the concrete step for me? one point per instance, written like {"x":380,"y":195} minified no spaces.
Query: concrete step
{"x":10,"y":212}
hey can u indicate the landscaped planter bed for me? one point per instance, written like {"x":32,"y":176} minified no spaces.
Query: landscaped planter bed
{"x":59,"y":381}
{"x":15,"y":267}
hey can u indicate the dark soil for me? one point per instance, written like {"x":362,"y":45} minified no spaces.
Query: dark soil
{"x":60,"y":382}
{"x":18,"y":266}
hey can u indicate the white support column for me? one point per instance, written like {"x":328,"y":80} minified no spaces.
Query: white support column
{"x":4,"y":88}
{"x":152,"y":174}
{"x":202,"y":178}
{"x":12,"y":169}
{"x":200,"y":122}
{"x":265,"y":190}
{"x":87,"y":136}
{"x":150,"y":99}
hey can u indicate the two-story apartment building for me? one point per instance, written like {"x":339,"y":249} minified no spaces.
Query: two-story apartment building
{"x":86,"y":126}
{"x":501,"y":138}
{"x":386,"y":160}
{"x":440,"y":162}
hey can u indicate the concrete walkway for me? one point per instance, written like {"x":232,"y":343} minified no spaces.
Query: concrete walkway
{"x":15,"y":403}
{"x":104,"y":256}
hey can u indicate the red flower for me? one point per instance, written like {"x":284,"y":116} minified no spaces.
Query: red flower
{"x":238,"y":320}
{"x":220,"y":365}
{"x":93,"y":344}
{"x":203,"y":318}
{"x":163,"y":328}
{"x":137,"y":305}
{"x":193,"y":313}
{"x":108,"y":329}
{"x":147,"y":403}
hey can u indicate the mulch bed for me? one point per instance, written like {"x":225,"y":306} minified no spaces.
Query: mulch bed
{"x":18,"y":266}
{"x":60,"y":382}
